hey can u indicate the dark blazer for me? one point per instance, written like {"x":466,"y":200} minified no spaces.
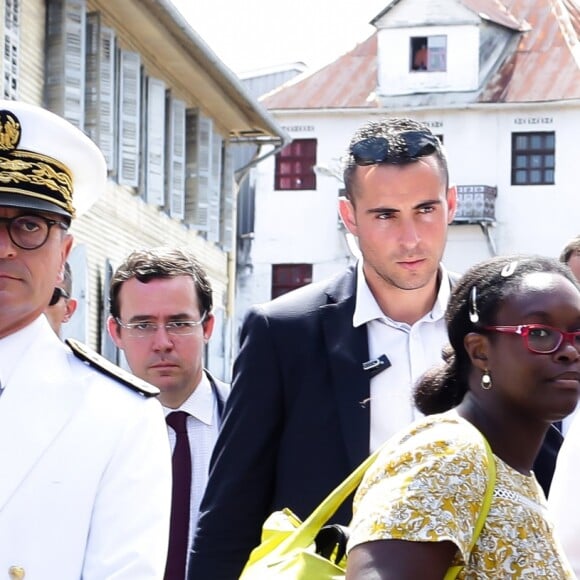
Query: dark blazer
{"x":297,"y":421}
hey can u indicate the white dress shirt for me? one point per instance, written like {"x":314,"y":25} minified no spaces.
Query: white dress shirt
{"x":202,"y":430}
{"x":411,"y":350}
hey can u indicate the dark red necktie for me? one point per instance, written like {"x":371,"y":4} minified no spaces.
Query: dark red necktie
{"x":179,"y":529}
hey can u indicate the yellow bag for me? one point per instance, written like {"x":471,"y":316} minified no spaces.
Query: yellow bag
{"x":288,"y":548}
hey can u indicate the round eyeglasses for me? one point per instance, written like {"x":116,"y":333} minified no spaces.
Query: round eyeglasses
{"x":147,"y":329}
{"x":30,"y":232}
{"x":539,"y":338}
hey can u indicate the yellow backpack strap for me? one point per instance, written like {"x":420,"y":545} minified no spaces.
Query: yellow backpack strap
{"x":100,"y":363}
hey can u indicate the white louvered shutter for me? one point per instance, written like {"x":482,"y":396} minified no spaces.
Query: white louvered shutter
{"x":129,"y":117}
{"x":175,"y":158}
{"x":213,"y":232}
{"x":227,"y":201}
{"x":11,"y":63}
{"x":198,"y":168}
{"x":65,"y":62}
{"x":155,"y":143}
{"x":100,"y":87}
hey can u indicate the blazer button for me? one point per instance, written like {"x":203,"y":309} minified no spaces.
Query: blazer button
{"x":16,"y":572}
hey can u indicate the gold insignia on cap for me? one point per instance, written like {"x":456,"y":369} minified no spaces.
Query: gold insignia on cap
{"x":28,"y":173}
{"x":9,"y":131}
{"x":16,"y":572}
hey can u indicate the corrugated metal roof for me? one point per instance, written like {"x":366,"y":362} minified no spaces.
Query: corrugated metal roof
{"x":496,"y":11}
{"x":543,"y":67}
{"x":348,"y":82}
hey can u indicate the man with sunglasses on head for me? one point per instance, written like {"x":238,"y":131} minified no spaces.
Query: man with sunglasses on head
{"x":62,"y":305}
{"x":86,"y":481}
{"x":161,"y":317}
{"x":324,"y":373}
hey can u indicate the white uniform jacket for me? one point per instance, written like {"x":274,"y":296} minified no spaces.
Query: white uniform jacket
{"x":85,"y":469}
{"x":563,"y":497}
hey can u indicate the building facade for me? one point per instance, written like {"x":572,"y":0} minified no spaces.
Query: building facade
{"x":498,"y":82}
{"x":168,"y":116}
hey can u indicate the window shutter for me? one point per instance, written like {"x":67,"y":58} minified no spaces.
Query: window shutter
{"x":227,"y":201}
{"x":129,"y":117}
{"x":213,"y":232}
{"x":11,"y":48}
{"x":65,"y":62}
{"x":155,"y":143}
{"x":100,"y":87}
{"x":175,"y":158}
{"x":198,"y":167}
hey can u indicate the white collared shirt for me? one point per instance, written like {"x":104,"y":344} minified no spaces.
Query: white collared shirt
{"x":202,"y":429}
{"x":411,"y":350}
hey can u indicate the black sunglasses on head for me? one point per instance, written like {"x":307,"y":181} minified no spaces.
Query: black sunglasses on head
{"x":403,"y":147}
{"x":57,"y":295}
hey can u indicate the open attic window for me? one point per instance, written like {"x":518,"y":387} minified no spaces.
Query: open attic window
{"x":428,"y":53}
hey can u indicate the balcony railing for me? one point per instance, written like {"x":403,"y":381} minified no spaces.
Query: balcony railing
{"x":475,"y":204}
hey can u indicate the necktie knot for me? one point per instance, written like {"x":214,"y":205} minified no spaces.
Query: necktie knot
{"x":178,"y":421}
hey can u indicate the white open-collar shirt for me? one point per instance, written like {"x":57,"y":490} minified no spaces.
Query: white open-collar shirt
{"x":411,"y":350}
{"x":202,"y":430}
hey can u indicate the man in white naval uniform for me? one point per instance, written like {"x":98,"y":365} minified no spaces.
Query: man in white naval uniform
{"x":85,"y":476}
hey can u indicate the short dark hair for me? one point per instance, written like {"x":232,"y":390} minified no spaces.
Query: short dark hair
{"x":496,"y":279}
{"x":390,"y":129}
{"x":146,"y":265}
{"x":67,"y":279}
{"x":572,"y":246}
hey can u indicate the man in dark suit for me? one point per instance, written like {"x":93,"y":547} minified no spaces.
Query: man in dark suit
{"x":324,"y":373}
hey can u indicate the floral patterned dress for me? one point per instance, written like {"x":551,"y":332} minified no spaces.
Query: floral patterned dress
{"x":427,"y":485}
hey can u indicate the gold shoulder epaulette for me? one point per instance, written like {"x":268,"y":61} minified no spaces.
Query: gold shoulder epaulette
{"x":105,"y":366}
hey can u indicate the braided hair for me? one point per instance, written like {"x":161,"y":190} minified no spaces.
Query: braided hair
{"x":474,"y":303}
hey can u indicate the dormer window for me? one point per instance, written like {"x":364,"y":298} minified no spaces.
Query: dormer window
{"x":428,"y":53}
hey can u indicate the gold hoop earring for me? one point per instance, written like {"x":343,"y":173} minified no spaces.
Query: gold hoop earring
{"x":486,"y":383}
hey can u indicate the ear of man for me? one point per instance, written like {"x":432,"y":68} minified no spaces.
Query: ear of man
{"x":346,"y":211}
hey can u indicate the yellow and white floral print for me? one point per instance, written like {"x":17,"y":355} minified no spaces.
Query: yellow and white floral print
{"x":428,"y":484}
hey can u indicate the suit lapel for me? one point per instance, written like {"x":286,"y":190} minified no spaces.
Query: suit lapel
{"x":36,"y":405}
{"x":347,"y":349}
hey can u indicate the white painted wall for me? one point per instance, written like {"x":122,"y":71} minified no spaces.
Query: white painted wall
{"x":301,"y":226}
{"x":394,"y":47}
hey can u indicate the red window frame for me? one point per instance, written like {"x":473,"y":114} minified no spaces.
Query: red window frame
{"x":295,"y":166}
{"x":287,"y":277}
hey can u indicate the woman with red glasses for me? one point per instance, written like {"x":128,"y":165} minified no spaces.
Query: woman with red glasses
{"x":512,"y":368}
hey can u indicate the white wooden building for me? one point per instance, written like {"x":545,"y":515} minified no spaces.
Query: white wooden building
{"x":135,"y":76}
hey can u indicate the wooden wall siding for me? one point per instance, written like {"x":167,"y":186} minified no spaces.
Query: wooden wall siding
{"x":121,"y":222}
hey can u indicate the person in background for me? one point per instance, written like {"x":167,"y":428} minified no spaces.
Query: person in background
{"x":566,"y":481}
{"x":161,"y":317}
{"x":324,"y":374}
{"x":512,"y":369}
{"x":62,"y":305}
{"x":571,"y":256}
{"x":85,"y":489}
